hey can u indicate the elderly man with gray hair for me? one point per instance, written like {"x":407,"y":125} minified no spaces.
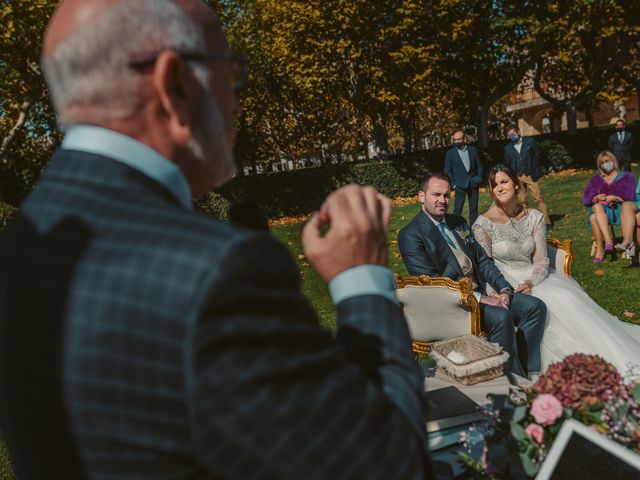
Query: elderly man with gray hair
{"x":141,"y":339}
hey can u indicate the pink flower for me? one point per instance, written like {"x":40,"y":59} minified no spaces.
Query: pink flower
{"x":535,"y":431}
{"x":546,"y":409}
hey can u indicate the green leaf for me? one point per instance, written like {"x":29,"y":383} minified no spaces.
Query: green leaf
{"x":518,"y":432}
{"x":519,"y":413}
{"x":636,"y":393}
{"x":530,"y":468}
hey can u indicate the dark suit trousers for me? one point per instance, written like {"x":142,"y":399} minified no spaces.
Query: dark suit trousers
{"x":461,"y":194}
{"x":625,"y":162}
{"x":527,"y":313}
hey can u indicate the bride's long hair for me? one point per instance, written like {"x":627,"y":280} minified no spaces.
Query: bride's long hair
{"x":492,"y":183}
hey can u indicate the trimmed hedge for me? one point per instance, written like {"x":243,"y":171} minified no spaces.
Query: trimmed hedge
{"x":300,"y":192}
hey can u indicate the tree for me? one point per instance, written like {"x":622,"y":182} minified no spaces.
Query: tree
{"x":27,"y":123}
{"x":487,"y":48}
{"x":585,"y":47}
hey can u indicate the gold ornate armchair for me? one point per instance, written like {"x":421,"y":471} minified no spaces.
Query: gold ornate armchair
{"x":437,"y":308}
{"x":560,"y":255}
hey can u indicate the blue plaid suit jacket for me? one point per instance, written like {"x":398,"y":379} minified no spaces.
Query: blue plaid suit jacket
{"x":141,"y":340}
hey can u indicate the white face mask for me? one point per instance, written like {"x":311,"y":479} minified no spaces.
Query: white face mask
{"x":607,"y":167}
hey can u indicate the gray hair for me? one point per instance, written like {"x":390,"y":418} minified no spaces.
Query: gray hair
{"x":91,"y":66}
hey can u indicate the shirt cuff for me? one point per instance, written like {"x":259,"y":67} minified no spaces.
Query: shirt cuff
{"x":363,"y":280}
{"x":478,"y":296}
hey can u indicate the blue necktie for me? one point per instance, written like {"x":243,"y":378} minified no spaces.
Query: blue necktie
{"x":443,"y":231}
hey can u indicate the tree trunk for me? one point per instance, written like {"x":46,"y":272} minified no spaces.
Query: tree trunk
{"x":322,"y":157}
{"x":22,"y":118}
{"x":572,"y":119}
{"x":483,"y":120}
{"x":380,"y":134}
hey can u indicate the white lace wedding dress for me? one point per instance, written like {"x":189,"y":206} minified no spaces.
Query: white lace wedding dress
{"x":575,"y":323}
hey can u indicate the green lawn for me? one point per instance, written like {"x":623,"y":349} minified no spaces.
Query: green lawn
{"x":615,"y":286}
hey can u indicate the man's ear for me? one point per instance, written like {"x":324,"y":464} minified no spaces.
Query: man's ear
{"x":172,"y":80}
{"x":421,"y":196}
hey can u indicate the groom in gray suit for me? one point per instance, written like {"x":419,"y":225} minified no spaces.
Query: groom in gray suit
{"x":437,"y":244}
{"x":142,"y":339}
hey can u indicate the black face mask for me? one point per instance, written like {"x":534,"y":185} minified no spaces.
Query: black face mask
{"x":620,"y":129}
{"x":459,"y":145}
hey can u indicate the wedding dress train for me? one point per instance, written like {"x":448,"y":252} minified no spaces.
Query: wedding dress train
{"x":575,"y":323}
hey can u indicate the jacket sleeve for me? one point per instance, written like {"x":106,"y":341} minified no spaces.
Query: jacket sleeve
{"x":272,"y":394}
{"x":610,"y":142}
{"x":448,"y":165}
{"x":507,"y":157}
{"x":414,"y":253}
{"x":478,"y":179}
{"x":537,"y":154}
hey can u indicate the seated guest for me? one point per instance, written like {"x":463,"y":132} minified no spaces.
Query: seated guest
{"x":605,"y":194}
{"x":437,"y":244}
{"x":141,"y":339}
{"x":633,"y":253}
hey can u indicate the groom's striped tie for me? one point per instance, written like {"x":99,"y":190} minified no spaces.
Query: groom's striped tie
{"x":443,"y":231}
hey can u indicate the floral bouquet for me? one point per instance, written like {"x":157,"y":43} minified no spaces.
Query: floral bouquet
{"x":522,"y":426}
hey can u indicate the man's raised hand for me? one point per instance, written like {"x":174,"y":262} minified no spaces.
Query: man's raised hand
{"x":358,"y":220}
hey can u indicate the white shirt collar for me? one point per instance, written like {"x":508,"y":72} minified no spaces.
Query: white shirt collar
{"x":124,"y":149}
{"x":435,"y":222}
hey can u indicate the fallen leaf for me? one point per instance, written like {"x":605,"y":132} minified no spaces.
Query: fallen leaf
{"x":290,"y":244}
{"x":598,"y":272}
{"x":300,"y":257}
{"x":628,"y":314}
{"x":397,"y":255}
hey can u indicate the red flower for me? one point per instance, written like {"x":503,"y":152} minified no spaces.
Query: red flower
{"x":579,"y":378}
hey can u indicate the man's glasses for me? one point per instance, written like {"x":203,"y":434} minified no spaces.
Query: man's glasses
{"x":239,"y":65}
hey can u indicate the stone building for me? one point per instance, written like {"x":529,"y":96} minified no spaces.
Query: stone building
{"x":535,"y":115}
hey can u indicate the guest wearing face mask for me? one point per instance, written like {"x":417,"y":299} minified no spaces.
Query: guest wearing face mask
{"x":463,"y":166}
{"x":621,"y":144}
{"x":522,"y":155}
{"x":609,"y":194}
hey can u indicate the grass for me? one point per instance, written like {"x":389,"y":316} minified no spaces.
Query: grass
{"x":612,"y":284}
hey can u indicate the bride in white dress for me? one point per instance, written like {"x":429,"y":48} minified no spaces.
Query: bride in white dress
{"x":515,"y":237}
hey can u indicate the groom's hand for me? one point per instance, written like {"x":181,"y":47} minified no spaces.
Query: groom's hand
{"x":357,"y":219}
{"x":494,"y":300}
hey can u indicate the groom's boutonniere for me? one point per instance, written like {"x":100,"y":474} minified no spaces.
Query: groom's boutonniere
{"x":465,"y":234}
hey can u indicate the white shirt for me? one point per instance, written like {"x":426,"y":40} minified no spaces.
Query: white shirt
{"x":518,"y":146}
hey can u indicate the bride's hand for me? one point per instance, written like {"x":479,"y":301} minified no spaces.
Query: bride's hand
{"x":525,"y":287}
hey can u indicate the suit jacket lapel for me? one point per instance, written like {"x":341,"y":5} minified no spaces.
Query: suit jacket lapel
{"x":513,"y":153}
{"x":429,"y":230}
{"x":461,"y":243}
{"x":463,"y":247}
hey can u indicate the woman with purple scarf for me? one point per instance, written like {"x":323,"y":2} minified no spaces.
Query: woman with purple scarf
{"x":610,"y":194}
